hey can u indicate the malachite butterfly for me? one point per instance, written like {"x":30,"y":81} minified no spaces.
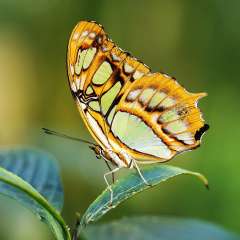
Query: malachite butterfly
{"x":135,"y":115}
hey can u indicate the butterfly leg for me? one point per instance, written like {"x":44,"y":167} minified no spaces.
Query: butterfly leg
{"x":110,"y":169}
{"x":108,"y":185}
{"x":140,"y":173}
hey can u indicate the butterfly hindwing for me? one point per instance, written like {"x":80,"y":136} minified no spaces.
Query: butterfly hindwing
{"x":160,"y":116}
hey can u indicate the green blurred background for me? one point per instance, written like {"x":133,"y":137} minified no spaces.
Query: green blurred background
{"x":198,"y":42}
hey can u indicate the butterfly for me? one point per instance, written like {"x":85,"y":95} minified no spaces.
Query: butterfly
{"x":135,"y":115}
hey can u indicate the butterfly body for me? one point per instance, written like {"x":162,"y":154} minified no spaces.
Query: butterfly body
{"x":133,"y":114}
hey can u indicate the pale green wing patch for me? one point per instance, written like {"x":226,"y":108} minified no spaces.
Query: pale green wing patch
{"x":84,"y":59}
{"x":146,"y":95}
{"x":135,"y":134}
{"x":80,"y":60}
{"x":102,"y":74}
{"x":89,"y":57}
{"x":176,"y":126}
{"x":95,"y":105}
{"x":110,"y":116}
{"x":156,"y":99}
{"x":89,"y":90}
{"x":167,"y":102}
{"x":108,"y":98}
{"x":169,"y":115}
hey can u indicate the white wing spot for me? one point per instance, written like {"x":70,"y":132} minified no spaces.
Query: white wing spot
{"x":128,"y":68}
{"x":84,"y":34}
{"x":165,"y":75}
{"x":120,"y":49}
{"x":187,"y":137}
{"x":75,"y":36}
{"x":104,"y":48}
{"x":133,"y":95}
{"x":73,"y":87}
{"x":78,"y":83}
{"x":92,"y":35}
{"x":115,"y":57}
{"x":138,"y":75}
{"x":72,"y":69}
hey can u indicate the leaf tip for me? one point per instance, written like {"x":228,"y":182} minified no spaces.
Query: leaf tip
{"x":202,"y":178}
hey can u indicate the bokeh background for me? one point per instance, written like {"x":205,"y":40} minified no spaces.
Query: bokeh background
{"x":195,"y":41}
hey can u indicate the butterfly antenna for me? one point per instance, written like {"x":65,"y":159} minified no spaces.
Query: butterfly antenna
{"x":51,"y":132}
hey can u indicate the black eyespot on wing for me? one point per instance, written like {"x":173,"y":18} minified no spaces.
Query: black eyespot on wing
{"x":201,"y":131}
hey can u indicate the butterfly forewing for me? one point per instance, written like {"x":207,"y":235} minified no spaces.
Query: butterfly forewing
{"x":98,"y":72}
{"x":124,"y":105}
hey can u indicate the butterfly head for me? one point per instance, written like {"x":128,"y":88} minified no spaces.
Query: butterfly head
{"x":97,"y":150}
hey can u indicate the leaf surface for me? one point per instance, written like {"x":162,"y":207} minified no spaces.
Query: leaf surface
{"x":40,"y":170}
{"x":158,"y":228}
{"x":131,"y":185}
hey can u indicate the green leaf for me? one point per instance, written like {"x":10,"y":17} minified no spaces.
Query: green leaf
{"x":16,"y":188}
{"x":129,"y":186}
{"x":39,"y":169}
{"x":158,"y":228}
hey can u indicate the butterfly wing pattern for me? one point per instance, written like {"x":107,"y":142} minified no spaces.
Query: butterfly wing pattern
{"x":131,"y":112}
